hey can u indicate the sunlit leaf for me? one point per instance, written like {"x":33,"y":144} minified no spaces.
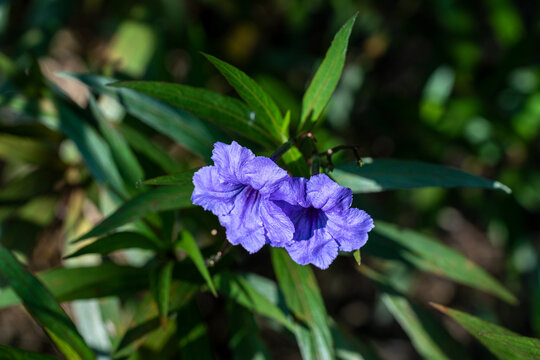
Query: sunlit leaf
{"x":43,"y":307}
{"x":188,"y":244}
{"x":304,"y":300}
{"x":266,"y":111}
{"x":430,"y":255}
{"x":327,"y":76}
{"x":239,"y":290}
{"x":390,"y":174}
{"x":180,"y":126}
{"x":151,"y":201}
{"x":503,"y":343}
{"x":222,"y":110}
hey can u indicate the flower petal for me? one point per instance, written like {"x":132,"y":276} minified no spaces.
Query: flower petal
{"x":324,"y":193}
{"x":263,"y":174}
{"x":230,"y":160}
{"x":292,"y":191}
{"x":279,"y":228}
{"x":350,"y":228}
{"x":320,"y":250}
{"x":212,"y":193}
{"x":244,"y":224}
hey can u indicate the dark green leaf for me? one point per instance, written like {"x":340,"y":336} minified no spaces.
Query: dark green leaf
{"x":193,"y":334}
{"x":327,"y":76}
{"x":162,"y":288}
{"x":505,"y":344}
{"x":239,"y":290}
{"x":222,"y":110}
{"x":178,"y":125}
{"x":183,"y":178}
{"x":303,"y":298}
{"x":92,"y":282}
{"x":188,"y":244}
{"x":265,"y":108}
{"x":153,"y":200}
{"x":11,"y":353}
{"x":145,"y":146}
{"x":390,"y":174}
{"x":117,"y":241}
{"x":430,"y":255}
{"x":43,"y":307}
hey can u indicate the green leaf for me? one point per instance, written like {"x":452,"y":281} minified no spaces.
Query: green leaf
{"x":146,"y":318}
{"x":503,"y":343}
{"x":222,"y":110}
{"x":162,"y":288}
{"x":390,"y":174}
{"x":29,"y":150}
{"x":145,"y":146}
{"x":154,"y":200}
{"x":43,"y":307}
{"x":238,"y":289}
{"x":181,"y":179}
{"x":430,"y":255}
{"x":327,"y":76}
{"x":11,"y":353}
{"x":180,"y":126}
{"x":92,"y":282}
{"x":303,"y":298}
{"x":188,"y":244}
{"x":117,"y":241}
{"x":245,"y":341}
{"x":403,"y":312}
{"x":193,"y":334}
{"x":349,"y":347}
{"x":93,"y":148}
{"x":265,"y":108}
{"x":125,"y":159}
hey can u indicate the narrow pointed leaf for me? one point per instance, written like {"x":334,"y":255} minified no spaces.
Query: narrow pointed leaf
{"x":142,"y":144}
{"x":162,"y":287}
{"x":303,"y":298}
{"x":430,"y":255}
{"x":193,"y":334}
{"x":188,"y":244}
{"x":122,"y":154}
{"x":503,"y":343}
{"x":238,"y":289}
{"x":43,"y":307}
{"x":180,"y":126}
{"x":257,"y":99}
{"x":117,"y":241}
{"x":154,"y":200}
{"x":183,"y":178}
{"x":391,"y":174}
{"x":222,"y":110}
{"x":327,"y":76}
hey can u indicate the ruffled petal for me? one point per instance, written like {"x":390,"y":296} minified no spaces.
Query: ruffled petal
{"x":350,"y":228}
{"x":279,"y":228}
{"x":212,"y":193}
{"x":324,"y":193}
{"x":244,"y":224}
{"x":230,"y":160}
{"x":320,"y":250}
{"x":292,"y":191}
{"x":263,"y":174}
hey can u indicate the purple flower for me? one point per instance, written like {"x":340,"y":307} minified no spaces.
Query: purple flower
{"x":237,"y":189}
{"x":323,"y":219}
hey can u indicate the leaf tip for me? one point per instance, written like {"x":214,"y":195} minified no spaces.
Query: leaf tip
{"x":440,"y":307}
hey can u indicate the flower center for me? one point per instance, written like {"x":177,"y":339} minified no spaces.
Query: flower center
{"x":308,"y":221}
